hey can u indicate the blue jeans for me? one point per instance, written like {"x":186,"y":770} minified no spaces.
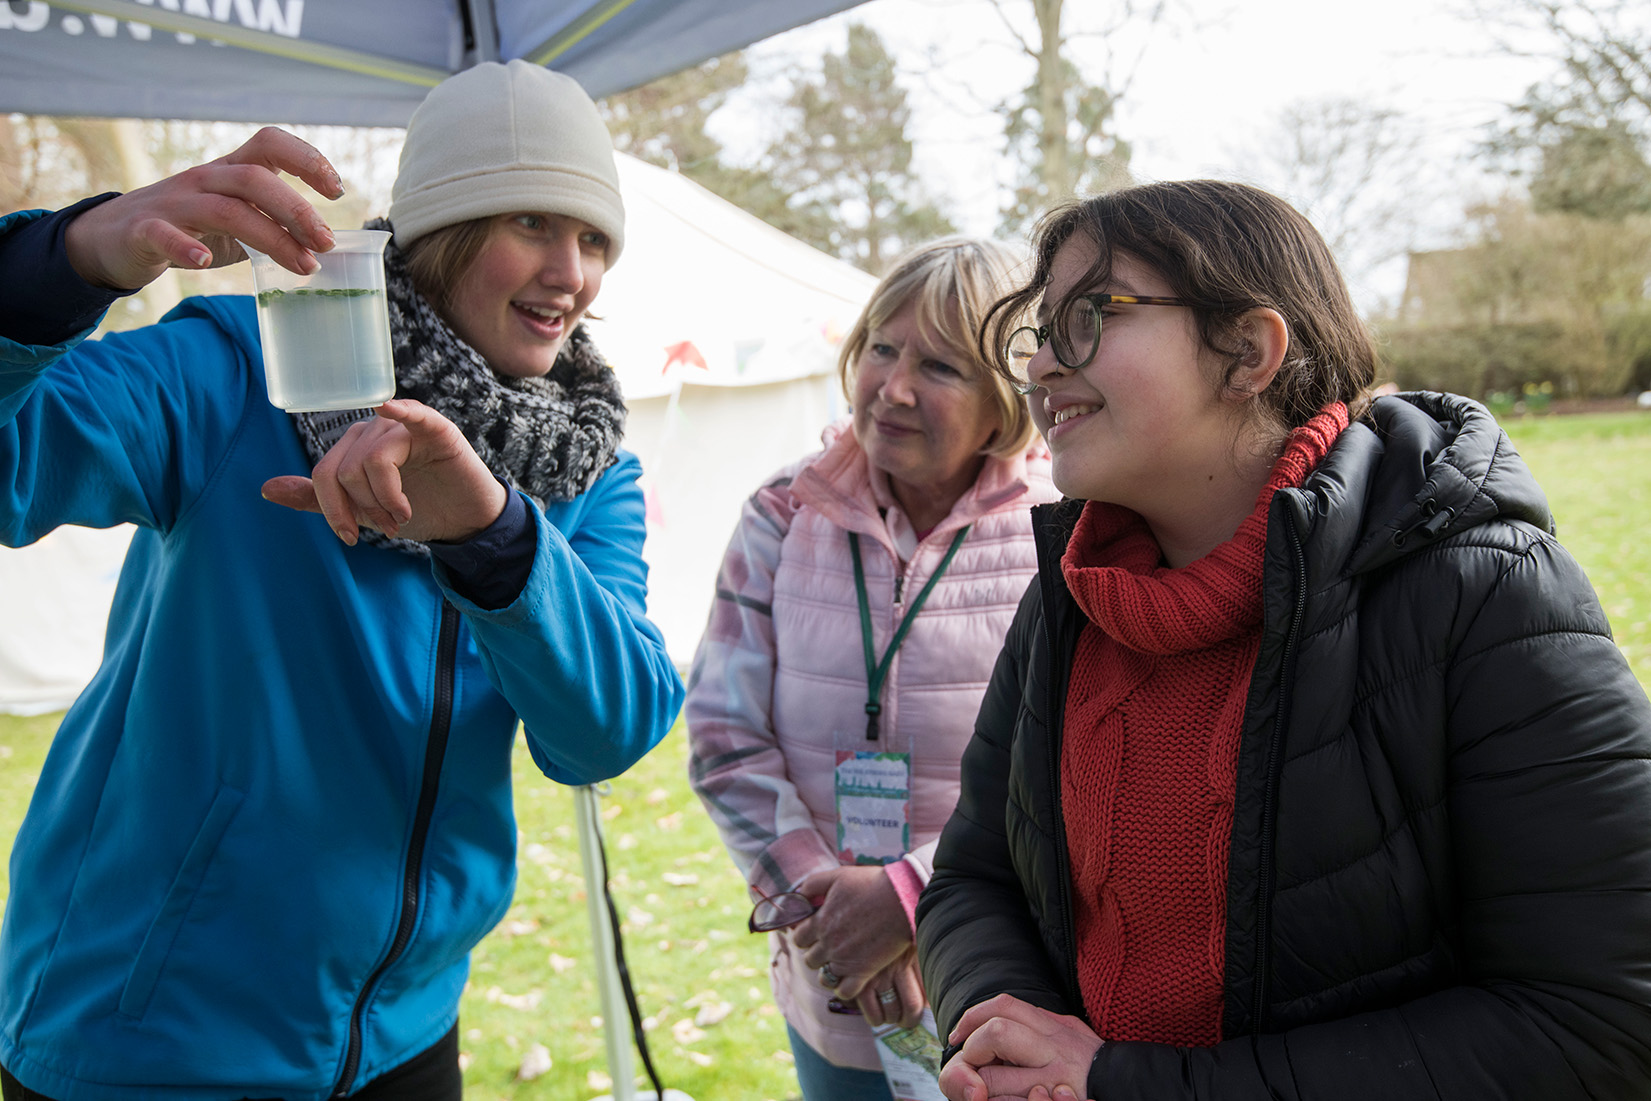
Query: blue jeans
{"x":823,"y":1081}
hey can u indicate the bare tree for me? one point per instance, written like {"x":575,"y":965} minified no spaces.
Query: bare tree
{"x":1582,"y":137}
{"x":664,"y":121}
{"x":1060,"y":129}
{"x":1596,"y":107}
{"x":1356,"y":169}
{"x":39,"y":166}
{"x":1602,"y":49}
{"x":1596,"y":171}
{"x":846,"y":162}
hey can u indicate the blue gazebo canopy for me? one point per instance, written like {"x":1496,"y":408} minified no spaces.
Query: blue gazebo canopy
{"x":347,"y":62}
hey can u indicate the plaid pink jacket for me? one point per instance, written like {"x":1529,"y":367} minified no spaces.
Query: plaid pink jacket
{"x":779,"y":680}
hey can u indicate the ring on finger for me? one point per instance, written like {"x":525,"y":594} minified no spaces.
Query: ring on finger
{"x":889,"y":996}
{"x":828,"y":976}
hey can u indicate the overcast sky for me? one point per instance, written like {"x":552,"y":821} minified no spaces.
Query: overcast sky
{"x":1204,"y":89}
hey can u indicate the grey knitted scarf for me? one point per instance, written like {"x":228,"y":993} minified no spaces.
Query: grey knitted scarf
{"x":549,"y":437}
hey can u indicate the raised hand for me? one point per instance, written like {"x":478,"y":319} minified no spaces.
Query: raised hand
{"x":408,"y":473}
{"x":1013,"y":1049}
{"x":197,"y":218}
{"x":860,"y":928}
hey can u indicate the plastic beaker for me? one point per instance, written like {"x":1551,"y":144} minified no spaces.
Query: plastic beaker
{"x":326,"y":336}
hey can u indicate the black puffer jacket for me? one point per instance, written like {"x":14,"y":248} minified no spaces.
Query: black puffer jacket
{"x":1440,"y":882}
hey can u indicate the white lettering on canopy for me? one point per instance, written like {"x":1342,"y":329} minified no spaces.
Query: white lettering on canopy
{"x":31,"y":18}
{"x":282,"y":17}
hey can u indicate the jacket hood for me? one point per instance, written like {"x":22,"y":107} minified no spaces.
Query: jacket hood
{"x":1419,"y":467}
{"x":233,"y":313}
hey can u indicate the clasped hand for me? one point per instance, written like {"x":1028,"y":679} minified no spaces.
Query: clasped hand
{"x":861,"y":930}
{"x":1013,"y":1049}
{"x":408,"y":472}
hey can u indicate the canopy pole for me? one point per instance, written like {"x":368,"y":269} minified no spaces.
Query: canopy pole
{"x":484,"y":25}
{"x":615,"y":1013}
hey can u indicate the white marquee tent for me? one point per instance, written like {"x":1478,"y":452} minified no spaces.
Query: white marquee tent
{"x":724,"y":332}
{"x":725,"y":336}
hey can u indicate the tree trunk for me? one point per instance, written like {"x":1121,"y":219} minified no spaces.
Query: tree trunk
{"x":1052,"y":144}
{"x":13,"y":195}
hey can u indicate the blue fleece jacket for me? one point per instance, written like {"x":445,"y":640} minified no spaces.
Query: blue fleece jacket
{"x":270,"y":830}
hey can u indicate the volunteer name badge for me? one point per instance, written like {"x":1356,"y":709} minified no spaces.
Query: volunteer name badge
{"x":873,"y":792}
{"x":911,"y":1059}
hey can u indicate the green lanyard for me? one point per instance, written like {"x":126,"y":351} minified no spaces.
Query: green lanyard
{"x":876,"y":670}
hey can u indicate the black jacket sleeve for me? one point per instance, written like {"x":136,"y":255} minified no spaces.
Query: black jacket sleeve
{"x":45,"y":301}
{"x":976,"y":934}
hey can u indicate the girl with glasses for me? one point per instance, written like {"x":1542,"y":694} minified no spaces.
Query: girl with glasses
{"x":1309,"y":768}
{"x":859,"y":608}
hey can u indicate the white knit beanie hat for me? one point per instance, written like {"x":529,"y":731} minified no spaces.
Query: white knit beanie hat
{"x":495,"y":139}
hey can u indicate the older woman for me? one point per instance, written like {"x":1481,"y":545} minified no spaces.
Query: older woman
{"x":861,"y":604}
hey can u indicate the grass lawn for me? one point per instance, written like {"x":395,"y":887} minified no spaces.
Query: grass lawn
{"x":700,"y":978}
{"x":1596,"y":470}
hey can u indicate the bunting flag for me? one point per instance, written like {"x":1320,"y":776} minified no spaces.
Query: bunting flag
{"x":652,"y":512}
{"x":684,"y":353}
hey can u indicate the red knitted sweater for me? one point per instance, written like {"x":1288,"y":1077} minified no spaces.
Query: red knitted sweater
{"x":1150,"y":757}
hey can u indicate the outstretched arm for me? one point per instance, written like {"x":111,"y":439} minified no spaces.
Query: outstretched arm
{"x":67,"y":267}
{"x":125,"y":424}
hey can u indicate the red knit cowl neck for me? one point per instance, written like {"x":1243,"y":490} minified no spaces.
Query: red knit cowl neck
{"x":1150,"y":752}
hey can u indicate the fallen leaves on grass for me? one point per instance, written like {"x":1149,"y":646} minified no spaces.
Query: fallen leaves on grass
{"x":524,"y":1002}
{"x":536,"y":1062}
{"x":517,"y":927}
{"x":712,"y":1014}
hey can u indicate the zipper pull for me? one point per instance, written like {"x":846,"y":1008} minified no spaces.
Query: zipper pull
{"x":899,"y":583}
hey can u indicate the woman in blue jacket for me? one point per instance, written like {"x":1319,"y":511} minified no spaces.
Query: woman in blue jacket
{"x":272,"y":827}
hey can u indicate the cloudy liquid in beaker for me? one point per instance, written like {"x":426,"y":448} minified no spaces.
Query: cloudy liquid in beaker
{"x":326,"y":348}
